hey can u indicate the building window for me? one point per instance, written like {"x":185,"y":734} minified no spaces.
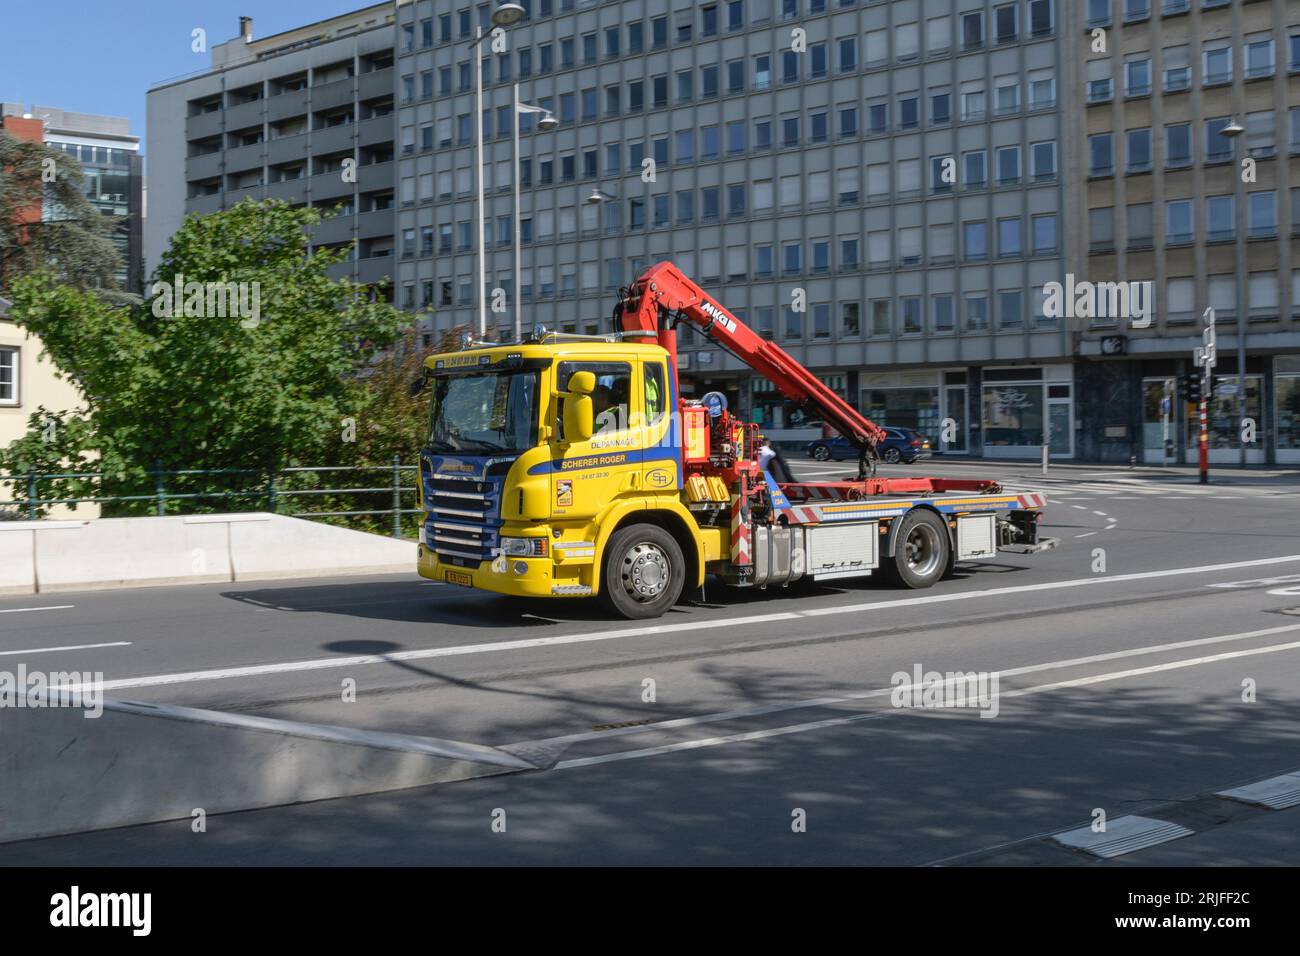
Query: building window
{"x":1219,"y":211}
{"x":975,"y":241}
{"x":1259,"y":57}
{"x":1100,"y":156}
{"x":1178,"y":145}
{"x":1261,"y":214}
{"x":1218,"y":148}
{"x":1137,"y":77}
{"x":1218,"y":65}
{"x":1179,"y":222}
{"x":1011,"y":309}
{"x":1044,"y":234}
{"x":1178,"y":74}
{"x":1044,"y":160}
{"x":881,"y":323}
{"x":941,"y":312}
{"x":1139,"y":150}
{"x":1009,"y":244}
{"x":1008,"y":165}
{"x":10,"y":359}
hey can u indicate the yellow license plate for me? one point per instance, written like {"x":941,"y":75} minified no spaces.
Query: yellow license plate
{"x":461,"y":578}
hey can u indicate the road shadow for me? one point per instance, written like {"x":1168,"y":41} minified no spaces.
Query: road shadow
{"x":909,"y":788}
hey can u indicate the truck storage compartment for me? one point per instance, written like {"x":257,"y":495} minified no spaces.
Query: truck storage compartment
{"x":842,"y":551}
{"x":977,"y":537}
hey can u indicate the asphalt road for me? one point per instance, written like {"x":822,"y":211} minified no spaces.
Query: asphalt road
{"x":1120,"y":659}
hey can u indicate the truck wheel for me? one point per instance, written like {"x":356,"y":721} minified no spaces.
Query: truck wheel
{"x":921,"y":550}
{"x":643,"y":572}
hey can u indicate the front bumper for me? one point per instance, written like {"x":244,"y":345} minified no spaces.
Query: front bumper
{"x":542,"y":577}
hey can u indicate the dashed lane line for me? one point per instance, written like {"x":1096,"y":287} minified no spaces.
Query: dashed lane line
{"x":66,"y":647}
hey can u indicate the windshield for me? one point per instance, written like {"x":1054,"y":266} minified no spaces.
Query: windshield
{"x":484,"y":414}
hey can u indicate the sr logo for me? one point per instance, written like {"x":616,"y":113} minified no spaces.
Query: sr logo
{"x":659,"y":478}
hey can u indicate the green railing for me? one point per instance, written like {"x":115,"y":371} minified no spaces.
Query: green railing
{"x":273,"y":491}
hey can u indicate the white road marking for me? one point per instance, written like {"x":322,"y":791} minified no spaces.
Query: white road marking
{"x":886,"y":691}
{"x":68,"y":647}
{"x":47,"y":607}
{"x":714,"y":741}
{"x":1088,"y":534}
{"x":1045,"y":586}
{"x":324,"y":663}
{"x":876,"y":715}
{"x":260,"y":670}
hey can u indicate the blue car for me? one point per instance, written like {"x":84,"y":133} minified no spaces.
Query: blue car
{"x":902,"y":445}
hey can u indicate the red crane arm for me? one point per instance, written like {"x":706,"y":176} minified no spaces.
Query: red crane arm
{"x":663,"y":291}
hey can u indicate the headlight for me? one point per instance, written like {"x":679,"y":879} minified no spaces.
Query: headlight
{"x":525,"y":547}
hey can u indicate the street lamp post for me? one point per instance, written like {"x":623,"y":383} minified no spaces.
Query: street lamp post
{"x":547,"y":122}
{"x":1240,"y":227}
{"x":481,"y":293}
{"x":503,"y":16}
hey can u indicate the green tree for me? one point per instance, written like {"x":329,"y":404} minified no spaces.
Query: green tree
{"x":70,"y":237}
{"x":182,"y":383}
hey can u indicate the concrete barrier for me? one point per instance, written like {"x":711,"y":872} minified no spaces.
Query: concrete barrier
{"x":61,"y":772}
{"x":47,"y":556}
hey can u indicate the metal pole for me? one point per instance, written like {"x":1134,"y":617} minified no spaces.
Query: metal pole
{"x":31,"y":496}
{"x":1046,"y":455}
{"x":397,"y":496}
{"x":478,"y":153}
{"x":515,"y":291}
{"x":159,"y":493}
{"x":1205,"y":433}
{"x":1243,"y":303}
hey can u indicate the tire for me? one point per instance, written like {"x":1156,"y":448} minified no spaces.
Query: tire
{"x":891,"y":456}
{"x":922,"y":551}
{"x":643,"y":572}
{"x":821,"y":453}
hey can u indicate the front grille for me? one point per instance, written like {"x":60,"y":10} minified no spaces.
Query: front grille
{"x":463,"y":520}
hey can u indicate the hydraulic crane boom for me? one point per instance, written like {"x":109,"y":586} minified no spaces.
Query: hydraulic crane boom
{"x":663,"y":292}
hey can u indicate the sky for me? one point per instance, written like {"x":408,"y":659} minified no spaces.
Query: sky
{"x":97,"y":57}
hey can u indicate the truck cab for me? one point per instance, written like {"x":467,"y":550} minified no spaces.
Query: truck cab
{"x":539,"y":453}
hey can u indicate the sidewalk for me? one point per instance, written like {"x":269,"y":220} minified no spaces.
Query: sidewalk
{"x":1186,"y":474}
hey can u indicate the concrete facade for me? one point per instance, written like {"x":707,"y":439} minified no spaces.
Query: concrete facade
{"x":276,"y":118}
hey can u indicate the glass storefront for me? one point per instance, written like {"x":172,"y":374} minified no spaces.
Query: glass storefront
{"x":1159,"y":419}
{"x":922,"y":401}
{"x":1286,"y":388}
{"x":915,"y":408}
{"x":1023,"y":408}
{"x":1225,"y":413}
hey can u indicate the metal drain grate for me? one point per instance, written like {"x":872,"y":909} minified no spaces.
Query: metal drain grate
{"x":1123,"y":835}
{"x":1276,"y":793}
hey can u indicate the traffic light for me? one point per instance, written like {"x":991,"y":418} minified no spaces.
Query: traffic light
{"x":1192,"y":387}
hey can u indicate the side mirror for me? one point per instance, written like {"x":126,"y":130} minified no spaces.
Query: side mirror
{"x":582,"y":383}
{"x":417,"y":384}
{"x":578,"y":425}
{"x":578,"y":410}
